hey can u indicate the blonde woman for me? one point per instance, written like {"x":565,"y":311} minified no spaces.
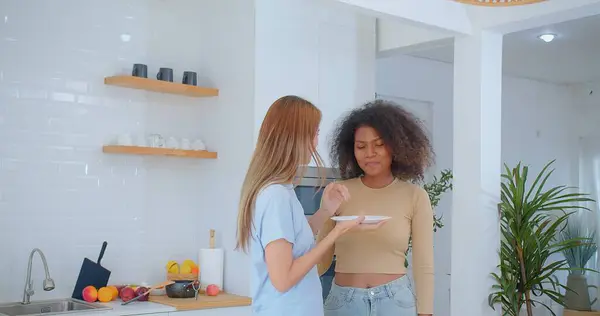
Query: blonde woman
{"x":271,"y":221}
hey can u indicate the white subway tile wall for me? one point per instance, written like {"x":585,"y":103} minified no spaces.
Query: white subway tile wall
{"x":60,"y":193}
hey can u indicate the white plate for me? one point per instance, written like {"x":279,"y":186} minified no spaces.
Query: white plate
{"x":370,"y":219}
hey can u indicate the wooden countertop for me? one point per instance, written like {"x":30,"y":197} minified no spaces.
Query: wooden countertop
{"x":567,"y":312}
{"x":203,"y":302}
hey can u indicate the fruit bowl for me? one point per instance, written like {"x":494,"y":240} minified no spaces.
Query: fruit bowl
{"x":182,"y":277}
{"x":188,"y":271}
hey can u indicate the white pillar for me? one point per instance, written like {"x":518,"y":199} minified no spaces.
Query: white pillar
{"x":477,"y":168}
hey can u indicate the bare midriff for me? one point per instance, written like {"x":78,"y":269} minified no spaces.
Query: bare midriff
{"x":364,"y":280}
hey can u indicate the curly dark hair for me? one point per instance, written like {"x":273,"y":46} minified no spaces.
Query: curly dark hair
{"x":401,"y":131}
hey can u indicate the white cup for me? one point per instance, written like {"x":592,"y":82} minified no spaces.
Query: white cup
{"x":198,"y":145}
{"x":156,"y":140}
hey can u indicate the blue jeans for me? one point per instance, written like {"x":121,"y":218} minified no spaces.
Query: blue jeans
{"x":392,"y":299}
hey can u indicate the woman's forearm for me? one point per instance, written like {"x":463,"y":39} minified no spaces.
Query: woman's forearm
{"x":290,"y":274}
{"x":305,"y":263}
{"x":317,"y":220}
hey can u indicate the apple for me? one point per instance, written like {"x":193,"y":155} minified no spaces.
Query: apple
{"x":141,"y":290}
{"x":212,"y":290}
{"x":90,"y":294}
{"x":127,"y":294}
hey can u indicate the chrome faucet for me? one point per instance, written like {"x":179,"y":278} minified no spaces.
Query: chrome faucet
{"x":48,"y":282}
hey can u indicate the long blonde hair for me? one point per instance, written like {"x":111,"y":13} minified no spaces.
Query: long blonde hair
{"x":285,"y":142}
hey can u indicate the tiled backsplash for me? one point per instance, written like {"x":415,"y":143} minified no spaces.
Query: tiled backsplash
{"x":59,"y":192}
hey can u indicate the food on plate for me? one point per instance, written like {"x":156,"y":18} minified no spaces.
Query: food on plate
{"x":141,"y":290}
{"x":90,"y":294}
{"x":212,"y":290}
{"x":127,"y":294}
{"x":105,"y":294}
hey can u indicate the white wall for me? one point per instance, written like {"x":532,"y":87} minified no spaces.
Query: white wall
{"x":587,"y":99}
{"x":434,"y":14}
{"x":319,"y":50}
{"x":59,"y":192}
{"x":395,"y":34}
{"x":538,"y":125}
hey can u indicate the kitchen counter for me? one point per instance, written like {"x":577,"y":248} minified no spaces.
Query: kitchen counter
{"x":164,"y":305}
{"x":203,"y":302}
{"x":224,"y":304}
{"x":579,"y":313}
{"x":134,"y":308}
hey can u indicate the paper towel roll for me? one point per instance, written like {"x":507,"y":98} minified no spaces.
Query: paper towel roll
{"x":211,"y":267}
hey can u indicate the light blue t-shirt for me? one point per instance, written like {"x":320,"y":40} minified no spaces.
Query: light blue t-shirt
{"x":278,"y":214}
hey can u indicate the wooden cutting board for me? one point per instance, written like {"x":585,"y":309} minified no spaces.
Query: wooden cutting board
{"x":203,"y":302}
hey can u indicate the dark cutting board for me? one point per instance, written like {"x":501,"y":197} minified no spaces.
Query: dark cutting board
{"x":91,"y":273}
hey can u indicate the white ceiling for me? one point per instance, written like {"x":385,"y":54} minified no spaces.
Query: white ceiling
{"x":573,"y":56}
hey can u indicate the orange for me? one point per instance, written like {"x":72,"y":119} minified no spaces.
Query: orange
{"x":105,"y":294}
{"x":115,"y":291}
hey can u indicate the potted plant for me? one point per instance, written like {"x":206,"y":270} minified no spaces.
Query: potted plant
{"x":577,"y":258}
{"x":435,"y":189}
{"x":531,"y":216}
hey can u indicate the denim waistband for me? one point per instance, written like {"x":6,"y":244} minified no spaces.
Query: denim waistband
{"x":382,"y":291}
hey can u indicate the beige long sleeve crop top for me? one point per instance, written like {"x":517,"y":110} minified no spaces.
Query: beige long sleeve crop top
{"x":383,"y":250}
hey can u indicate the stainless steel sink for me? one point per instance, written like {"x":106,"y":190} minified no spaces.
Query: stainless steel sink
{"x":60,"y":306}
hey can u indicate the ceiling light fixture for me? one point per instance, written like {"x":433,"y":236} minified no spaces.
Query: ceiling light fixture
{"x":499,"y":3}
{"x":547,"y":37}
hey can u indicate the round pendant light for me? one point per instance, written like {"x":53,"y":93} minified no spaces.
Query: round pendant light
{"x":499,"y":3}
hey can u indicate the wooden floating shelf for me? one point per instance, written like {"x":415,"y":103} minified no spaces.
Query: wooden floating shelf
{"x":161,"y":86}
{"x":136,"y":150}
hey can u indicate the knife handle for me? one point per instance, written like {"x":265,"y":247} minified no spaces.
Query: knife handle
{"x":104,"y":244}
{"x":133,"y":299}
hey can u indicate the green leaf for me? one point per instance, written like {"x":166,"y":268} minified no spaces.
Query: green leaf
{"x":435,"y":189}
{"x":533,"y":218}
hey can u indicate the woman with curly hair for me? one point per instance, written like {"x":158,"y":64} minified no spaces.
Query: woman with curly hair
{"x":381,"y":151}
